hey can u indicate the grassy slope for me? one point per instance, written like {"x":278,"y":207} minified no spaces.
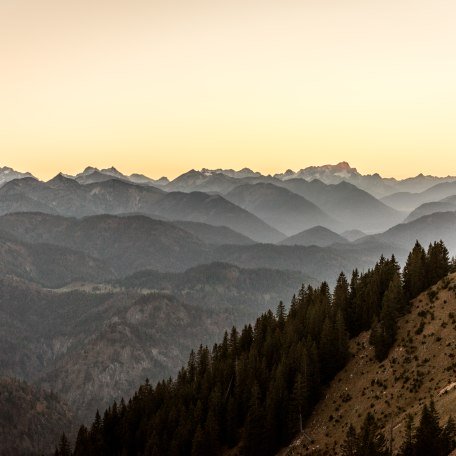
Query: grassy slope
{"x":419,"y":366}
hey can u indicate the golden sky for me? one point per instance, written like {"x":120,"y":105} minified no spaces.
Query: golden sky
{"x":162,"y":86}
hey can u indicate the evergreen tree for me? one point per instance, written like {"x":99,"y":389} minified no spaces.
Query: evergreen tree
{"x":408,"y":446}
{"x":448,"y":437}
{"x":255,"y":436}
{"x":428,"y":432}
{"x":415,"y":272}
{"x":253,"y":389}
{"x":82,"y":445}
{"x":371,"y":441}
{"x":437,"y":263}
{"x":383,"y":334}
{"x":341,"y":298}
{"x":281,"y":315}
{"x":64,"y":448}
{"x":351,"y":443}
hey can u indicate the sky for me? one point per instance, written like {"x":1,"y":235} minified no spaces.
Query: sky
{"x":163,"y":86}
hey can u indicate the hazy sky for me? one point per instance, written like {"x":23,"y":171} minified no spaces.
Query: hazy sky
{"x":164,"y":86}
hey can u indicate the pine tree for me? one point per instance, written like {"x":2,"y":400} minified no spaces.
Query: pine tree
{"x":415,"y":272}
{"x":353,"y":321}
{"x":64,"y":448}
{"x":341,"y":298}
{"x":255,"y":436}
{"x":371,"y":441}
{"x":341,"y":337}
{"x":437,"y":263}
{"x":428,"y":432}
{"x":327,"y":350}
{"x":448,"y":436}
{"x":383,"y":334}
{"x":408,"y":446}
{"x":82,"y":445}
{"x":281,"y":315}
{"x":199,"y":447}
{"x":351,"y":443}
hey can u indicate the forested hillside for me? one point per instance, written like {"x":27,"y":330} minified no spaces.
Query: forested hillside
{"x":253,"y":391}
{"x":406,"y":402}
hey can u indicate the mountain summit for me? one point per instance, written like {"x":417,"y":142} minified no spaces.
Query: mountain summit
{"x":8,"y":174}
{"x":330,"y":174}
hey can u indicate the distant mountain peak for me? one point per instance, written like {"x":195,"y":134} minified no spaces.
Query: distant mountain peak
{"x":89,"y":170}
{"x":113,"y":172}
{"x":8,"y":174}
{"x":339,"y":167}
{"x":244,"y":172}
{"x":62,"y":179}
{"x":329,"y":174}
{"x":344,"y":165}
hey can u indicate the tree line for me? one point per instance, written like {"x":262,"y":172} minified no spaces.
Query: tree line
{"x":255,"y":388}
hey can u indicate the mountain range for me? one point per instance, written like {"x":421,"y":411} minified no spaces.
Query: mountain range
{"x":107,"y":279}
{"x":263,"y":208}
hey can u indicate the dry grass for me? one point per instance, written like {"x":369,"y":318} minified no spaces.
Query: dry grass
{"x":421,"y":365}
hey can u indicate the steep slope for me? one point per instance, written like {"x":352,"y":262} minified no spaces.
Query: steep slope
{"x":216,"y":235}
{"x":354,"y":207}
{"x":318,"y":235}
{"x":31,"y":419}
{"x":441,"y":225}
{"x":127,"y":244}
{"x":419,"y":367}
{"x":279,"y":207}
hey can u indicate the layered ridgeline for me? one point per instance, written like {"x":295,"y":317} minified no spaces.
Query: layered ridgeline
{"x":253,"y":391}
{"x":261,"y":208}
{"x":54,"y":250}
